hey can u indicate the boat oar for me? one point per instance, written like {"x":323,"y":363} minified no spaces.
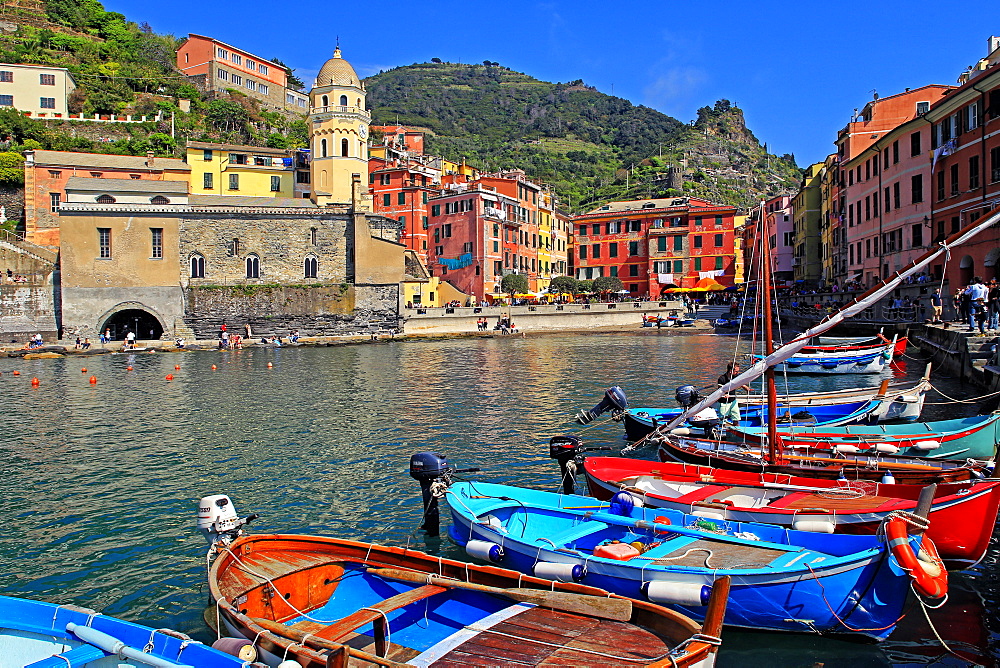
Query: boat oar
{"x":618,"y":609}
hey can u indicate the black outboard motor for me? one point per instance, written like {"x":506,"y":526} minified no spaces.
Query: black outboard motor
{"x":614,"y":400}
{"x":569,"y":452}
{"x":426,"y":468}
{"x":687,"y":396}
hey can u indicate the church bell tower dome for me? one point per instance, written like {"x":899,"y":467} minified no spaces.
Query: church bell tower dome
{"x":338,"y":72}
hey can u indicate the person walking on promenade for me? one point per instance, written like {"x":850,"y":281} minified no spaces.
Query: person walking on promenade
{"x":993,"y":300}
{"x":976,"y":295}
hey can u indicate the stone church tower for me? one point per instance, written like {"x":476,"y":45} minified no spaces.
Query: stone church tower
{"x":339,"y":135}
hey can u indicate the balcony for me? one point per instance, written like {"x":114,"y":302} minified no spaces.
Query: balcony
{"x":343,"y":111}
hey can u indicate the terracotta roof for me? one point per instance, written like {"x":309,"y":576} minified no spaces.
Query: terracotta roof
{"x":102,"y":161}
{"x":125,"y":185}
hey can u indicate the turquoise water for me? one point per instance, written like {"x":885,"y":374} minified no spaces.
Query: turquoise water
{"x":100,"y":482}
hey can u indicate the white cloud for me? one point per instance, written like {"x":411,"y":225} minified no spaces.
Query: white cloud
{"x":674,"y":89}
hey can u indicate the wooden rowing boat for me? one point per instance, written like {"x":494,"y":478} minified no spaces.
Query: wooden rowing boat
{"x":329,"y":602}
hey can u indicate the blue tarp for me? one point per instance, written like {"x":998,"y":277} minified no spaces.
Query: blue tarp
{"x":461,"y":262}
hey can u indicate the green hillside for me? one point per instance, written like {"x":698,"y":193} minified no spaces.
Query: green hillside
{"x":589,"y":146}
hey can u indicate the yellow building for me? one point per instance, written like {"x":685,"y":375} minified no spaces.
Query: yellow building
{"x":738,"y":224}
{"x":460,"y":169}
{"x":339,"y":142}
{"x":249,"y":171}
{"x":35,"y":90}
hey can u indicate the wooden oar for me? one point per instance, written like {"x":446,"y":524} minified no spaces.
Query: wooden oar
{"x":617,"y":609}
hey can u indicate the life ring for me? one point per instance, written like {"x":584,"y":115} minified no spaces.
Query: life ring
{"x":926,"y":568}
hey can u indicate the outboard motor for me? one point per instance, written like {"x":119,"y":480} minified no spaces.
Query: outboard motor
{"x":569,"y":451}
{"x":434,"y":474}
{"x":218,"y":520}
{"x":687,"y":396}
{"x":614,"y":400}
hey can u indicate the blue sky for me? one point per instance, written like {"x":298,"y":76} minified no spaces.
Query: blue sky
{"x":797,"y":70}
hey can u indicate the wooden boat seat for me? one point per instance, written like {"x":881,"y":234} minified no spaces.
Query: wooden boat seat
{"x":394,"y":652}
{"x":703,"y":493}
{"x":713,"y":554}
{"x":371,"y":613}
{"x":575,"y":533}
{"x":850,"y":504}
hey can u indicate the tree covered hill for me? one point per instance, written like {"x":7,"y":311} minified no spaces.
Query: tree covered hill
{"x":589,"y":146}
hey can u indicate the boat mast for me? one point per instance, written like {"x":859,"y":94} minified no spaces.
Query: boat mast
{"x":773,"y":452}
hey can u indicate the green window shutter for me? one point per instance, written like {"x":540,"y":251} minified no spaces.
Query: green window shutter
{"x":661,"y":244}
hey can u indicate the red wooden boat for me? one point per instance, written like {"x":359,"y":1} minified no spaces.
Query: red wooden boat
{"x":961,"y":519}
{"x":734,"y":456}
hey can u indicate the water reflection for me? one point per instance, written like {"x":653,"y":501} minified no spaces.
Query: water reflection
{"x":100,"y":481}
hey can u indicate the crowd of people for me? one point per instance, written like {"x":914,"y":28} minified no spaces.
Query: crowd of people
{"x":15,"y":278}
{"x":978,"y":305}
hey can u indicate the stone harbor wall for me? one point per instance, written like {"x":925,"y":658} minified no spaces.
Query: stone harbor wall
{"x":12,"y":200}
{"x":26,"y":307}
{"x":271,"y":309}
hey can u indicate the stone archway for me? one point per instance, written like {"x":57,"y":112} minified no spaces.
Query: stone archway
{"x":966,"y":270}
{"x":991,"y":265}
{"x":132,"y":316}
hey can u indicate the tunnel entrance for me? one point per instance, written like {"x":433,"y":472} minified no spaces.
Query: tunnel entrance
{"x":145,"y":325}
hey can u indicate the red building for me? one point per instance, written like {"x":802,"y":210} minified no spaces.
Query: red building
{"x":964,"y":130}
{"x":654,"y":244}
{"x":400,"y":189}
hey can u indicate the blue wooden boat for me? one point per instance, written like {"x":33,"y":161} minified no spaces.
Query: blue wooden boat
{"x":782,"y":580}
{"x":973,"y":437}
{"x":873,"y":361}
{"x":44,"y":635}
{"x":641,"y":421}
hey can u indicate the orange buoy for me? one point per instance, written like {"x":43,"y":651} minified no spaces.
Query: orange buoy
{"x":214,"y":367}
{"x":93,"y":380}
{"x":17,"y":373}
{"x":177,"y":367}
{"x":170,"y":376}
{"x":35,"y":382}
{"x":269,"y":365}
{"x":83,"y":370}
{"x":128,"y":368}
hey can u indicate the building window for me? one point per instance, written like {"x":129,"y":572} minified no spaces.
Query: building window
{"x":940,"y":185}
{"x":595,"y":251}
{"x":156,"y":251}
{"x":918,"y":235}
{"x":678,"y":243}
{"x":262,"y":69}
{"x":237,"y":80}
{"x":310,"y":267}
{"x":596,"y":228}
{"x":718,"y":241}
{"x":895,"y":152}
{"x":6,"y":76}
{"x":234,"y":181}
{"x":914,"y":144}
{"x":633,"y":270}
{"x":47,"y":102}
{"x":104,"y":241}
{"x":697,"y":241}
{"x":435,"y":209}
{"x":6,"y":100}
{"x":895,"y":195}
{"x":47,"y":79}
{"x":633,"y":248}
{"x":344,"y":150}
{"x":697,"y":264}
{"x":221,"y":53}
{"x":197,"y":266}
{"x":613,"y":249}
{"x":54,"y":199}
{"x":343,"y":100}
{"x":954,"y":179}
{"x":401,"y":197}
{"x":718,"y":262}
{"x":275,"y":184}
{"x":387,"y":200}
{"x":313,"y":236}
{"x":917,"y":186}
{"x":251,"y":65}
{"x":159,"y":199}
{"x":325,"y":100}
{"x":974,"y":172}
{"x":262,"y":89}
{"x":583,"y":252}
{"x":237,"y":58}
{"x":105,"y":199}
{"x":222,"y":74}
{"x":322,"y":148}
{"x":253,"y":266}
{"x":206,"y":180}
{"x":251,"y":84}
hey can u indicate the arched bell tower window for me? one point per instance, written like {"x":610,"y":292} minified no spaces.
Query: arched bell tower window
{"x":105,"y":199}
{"x":159,"y":199}
{"x":326,"y":101}
{"x":197,"y":266}
{"x":310,"y":267}
{"x":344,"y":148}
{"x":322,"y":148}
{"x":253,"y":266}
{"x":343,"y":100}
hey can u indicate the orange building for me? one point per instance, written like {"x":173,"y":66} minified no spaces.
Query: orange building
{"x":46,"y":174}
{"x":216,"y":66}
{"x":400,"y":190}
